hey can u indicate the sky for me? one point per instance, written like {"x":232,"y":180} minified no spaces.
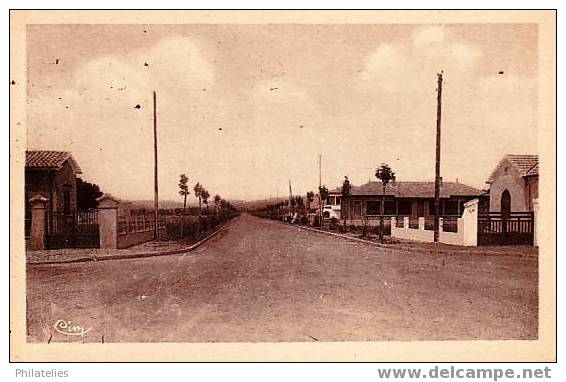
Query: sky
{"x":243,"y":109}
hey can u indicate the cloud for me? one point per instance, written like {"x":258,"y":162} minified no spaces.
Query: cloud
{"x":105,"y":114}
{"x":400,"y":65}
{"x":385,"y":57}
{"x":428,"y":35}
{"x":484,"y":113}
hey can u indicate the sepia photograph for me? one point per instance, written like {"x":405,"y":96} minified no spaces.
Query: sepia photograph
{"x":222,"y":179}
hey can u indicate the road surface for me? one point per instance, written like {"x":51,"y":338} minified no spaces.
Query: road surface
{"x":261,"y":280}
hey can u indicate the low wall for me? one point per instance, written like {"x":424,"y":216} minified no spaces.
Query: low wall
{"x":126,"y":240}
{"x":466,"y":235}
{"x":372,"y":222}
{"x":456,"y":238}
{"x":411,"y":234}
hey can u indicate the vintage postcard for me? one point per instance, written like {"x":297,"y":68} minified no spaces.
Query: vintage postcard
{"x":283,"y":186}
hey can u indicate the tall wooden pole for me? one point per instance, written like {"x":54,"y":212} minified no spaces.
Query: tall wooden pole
{"x":319,"y":170}
{"x":155,"y":187}
{"x":437,"y":171}
{"x":290,"y":191}
{"x":291,"y":208}
{"x":319,"y":187}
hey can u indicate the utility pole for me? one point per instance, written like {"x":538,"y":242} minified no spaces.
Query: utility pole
{"x":319,"y":186}
{"x":291,"y":208}
{"x":437,"y":171}
{"x":290,"y":191}
{"x":155,"y":187}
{"x":319,"y":170}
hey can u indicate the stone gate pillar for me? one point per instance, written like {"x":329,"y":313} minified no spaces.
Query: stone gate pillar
{"x":470,"y":222}
{"x":38,"y":222}
{"x":108,"y":221}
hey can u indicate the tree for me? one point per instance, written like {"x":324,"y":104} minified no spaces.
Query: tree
{"x":385,"y":175}
{"x":87,"y":193}
{"x":217,"y":199}
{"x":183,"y":191}
{"x":323,"y":192}
{"x":205,"y":195}
{"x":198,"y":193}
{"x":293,"y":202}
{"x":346,"y":190}
{"x":310,"y":196}
{"x":299,"y":202}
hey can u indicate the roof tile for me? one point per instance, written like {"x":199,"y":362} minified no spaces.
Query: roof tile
{"x":416,"y":189}
{"x":50,"y":159}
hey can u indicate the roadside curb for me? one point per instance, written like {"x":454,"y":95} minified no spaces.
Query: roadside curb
{"x":407,"y":248}
{"x":137,"y":255}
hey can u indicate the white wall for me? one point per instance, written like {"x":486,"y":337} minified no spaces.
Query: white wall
{"x":467,"y":229}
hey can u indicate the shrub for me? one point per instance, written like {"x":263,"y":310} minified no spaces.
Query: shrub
{"x":173,"y":227}
{"x":316,"y":222}
{"x":333,"y":223}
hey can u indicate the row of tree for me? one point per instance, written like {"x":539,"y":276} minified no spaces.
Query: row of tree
{"x":203,"y":196}
{"x":220,"y":204}
{"x":383,"y":173}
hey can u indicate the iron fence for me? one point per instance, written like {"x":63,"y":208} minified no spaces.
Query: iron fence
{"x":450,"y":223}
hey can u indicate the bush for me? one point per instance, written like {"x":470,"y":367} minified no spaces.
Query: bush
{"x":333,"y":223}
{"x":316,"y":222}
{"x":193,"y":226}
{"x":190,"y":227}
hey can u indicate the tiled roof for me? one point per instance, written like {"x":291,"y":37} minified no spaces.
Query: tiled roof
{"x":533,"y":171}
{"x":525,"y":164}
{"x":50,"y":160}
{"x":416,"y":189}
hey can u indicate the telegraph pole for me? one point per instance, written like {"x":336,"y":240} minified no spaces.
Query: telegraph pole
{"x":437,"y":171}
{"x":291,"y":208}
{"x":319,"y":186}
{"x":290,"y":191}
{"x":155,"y":187}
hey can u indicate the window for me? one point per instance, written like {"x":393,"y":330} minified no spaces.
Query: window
{"x":389,"y":208}
{"x":451,"y":207}
{"x":372,"y":208}
{"x":405,"y":207}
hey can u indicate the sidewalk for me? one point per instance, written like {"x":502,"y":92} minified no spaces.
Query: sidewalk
{"x":148,"y":249}
{"x":425,"y":247}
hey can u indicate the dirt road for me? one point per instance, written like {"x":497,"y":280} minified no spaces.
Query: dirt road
{"x":265,"y":281}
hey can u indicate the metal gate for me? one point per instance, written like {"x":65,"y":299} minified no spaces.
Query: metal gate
{"x":513,"y":228}
{"x":73,"y":230}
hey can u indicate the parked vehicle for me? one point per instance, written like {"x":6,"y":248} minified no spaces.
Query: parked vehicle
{"x":331,"y":211}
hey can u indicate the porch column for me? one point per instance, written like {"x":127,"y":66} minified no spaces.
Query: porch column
{"x":37,"y":232}
{"x":405,"y":222}
{"x":108,"y":221}
{"x":414,"y":209}
{"x":421,"y":223}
